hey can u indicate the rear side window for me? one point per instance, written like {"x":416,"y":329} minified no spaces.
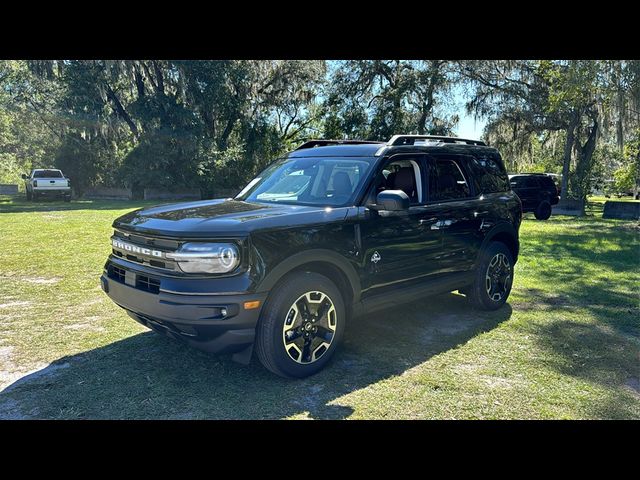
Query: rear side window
{"x":524,"y":182}
{"x":447,"y":182}
{"x":490,"y":174}
{"x":547,"y":182}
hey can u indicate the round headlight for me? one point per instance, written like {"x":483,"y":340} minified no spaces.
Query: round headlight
{"x":228,"y":257}
{"x":197,"y":257}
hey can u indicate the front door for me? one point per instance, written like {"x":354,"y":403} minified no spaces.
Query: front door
{"x":401,"y":249}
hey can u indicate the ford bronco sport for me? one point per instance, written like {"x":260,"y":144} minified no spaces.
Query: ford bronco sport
{"x":334,"y":229}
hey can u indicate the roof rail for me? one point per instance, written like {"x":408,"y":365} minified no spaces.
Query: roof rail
{"x":324,"y":143}
{"x":410,"y":140}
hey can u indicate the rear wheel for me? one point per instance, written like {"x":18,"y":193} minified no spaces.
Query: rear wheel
{"x":494,"y":278}
{"x":543,"y":212}
{"x":301,"y":325}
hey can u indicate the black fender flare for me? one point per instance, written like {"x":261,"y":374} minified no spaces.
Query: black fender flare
{"x":502,"y":227}
{"x":308,"y":256}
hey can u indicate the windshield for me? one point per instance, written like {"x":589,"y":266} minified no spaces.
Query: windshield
{"x":47,"y":174}
{"x":322,"y":181}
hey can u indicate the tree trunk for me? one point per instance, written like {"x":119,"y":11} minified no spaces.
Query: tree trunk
{"x":620,"y":107}
{"x":139,"y":82}
{"x":224,"y":138}
{"x":159,"y":77}
{"x":427,"y":104}
{"x":568,"y":148}
{"x":583,"y":165}
{"x":111,"y":95}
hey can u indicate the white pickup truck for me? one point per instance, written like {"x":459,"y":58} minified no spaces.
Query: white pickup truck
{"x":48,"y":182}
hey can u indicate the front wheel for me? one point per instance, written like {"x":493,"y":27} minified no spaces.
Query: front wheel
{"x":494,"y":277}
{"x":301,"y":325}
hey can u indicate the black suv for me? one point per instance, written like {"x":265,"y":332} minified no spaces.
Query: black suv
{"x":332,"y":230}
{"x":537,"y":191}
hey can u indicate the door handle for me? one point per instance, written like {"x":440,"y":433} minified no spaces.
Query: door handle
{"x":428,"y":221}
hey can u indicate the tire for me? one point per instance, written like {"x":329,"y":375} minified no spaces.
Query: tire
{"x":67,"y":198}
{"x":483,"y":293}
{"x":543,"y":212}
{"x":29,"y":196}
{"x":283,"y":316}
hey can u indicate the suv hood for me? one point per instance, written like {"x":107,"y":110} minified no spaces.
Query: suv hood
{"x":223,"y":217}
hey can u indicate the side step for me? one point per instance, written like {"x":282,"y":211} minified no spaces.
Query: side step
{"x":413,"y":293}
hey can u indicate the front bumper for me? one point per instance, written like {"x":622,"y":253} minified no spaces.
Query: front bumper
{"x":216,"y":323}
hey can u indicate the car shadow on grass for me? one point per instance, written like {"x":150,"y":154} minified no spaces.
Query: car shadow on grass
{"x":150,"y":376}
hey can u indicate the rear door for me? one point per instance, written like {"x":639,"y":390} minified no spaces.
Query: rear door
{"x":459,"y":211}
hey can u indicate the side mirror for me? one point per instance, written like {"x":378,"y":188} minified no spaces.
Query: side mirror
{"x":24,"y":176}
{"x":392,"y":201}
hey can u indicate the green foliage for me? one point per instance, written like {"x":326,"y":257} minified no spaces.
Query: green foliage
{"x":627,"y":177}
{"x":577,"y":100}
{"x":375,"y":99}
{"x":216,"y":124}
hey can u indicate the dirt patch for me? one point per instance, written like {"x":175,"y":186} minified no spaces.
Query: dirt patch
{"x":17,"y":303}
{"x":5,"y":354}
{"x":41,"y":280}
{"x":541,"y":300}
{"x":85,"y":326}
{"x":497,"y":382}
{"x":18,"y":378}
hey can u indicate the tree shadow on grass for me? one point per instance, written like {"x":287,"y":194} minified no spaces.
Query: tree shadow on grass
{"x":149,"y":376}
{"x":18,"y":204}
{"x":604,"y":352}
{"x":591,"y":243}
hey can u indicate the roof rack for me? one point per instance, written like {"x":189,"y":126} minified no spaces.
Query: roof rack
{"x":324,"y":143}
{"x":410,"y":140}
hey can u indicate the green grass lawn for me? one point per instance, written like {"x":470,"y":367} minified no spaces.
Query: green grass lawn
{"x":567,"y":344}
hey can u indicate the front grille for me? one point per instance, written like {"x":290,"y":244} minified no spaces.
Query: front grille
{"x":148,"y":284}
{"x":145,"y":242}
{"x":142,"y":260}
{"x":142,"y":282}
{"x":117,"y":273}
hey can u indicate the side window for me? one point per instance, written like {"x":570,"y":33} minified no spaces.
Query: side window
{"x":491,"y":175}
{"x":532,"y":182}
{"x":447,"y":182}
{"x":401,"y":173}
{"x":548,"y":183}
{"x":517,"y":182}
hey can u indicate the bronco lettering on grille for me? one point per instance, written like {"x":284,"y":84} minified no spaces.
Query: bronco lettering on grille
{"x":128,"y":247}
